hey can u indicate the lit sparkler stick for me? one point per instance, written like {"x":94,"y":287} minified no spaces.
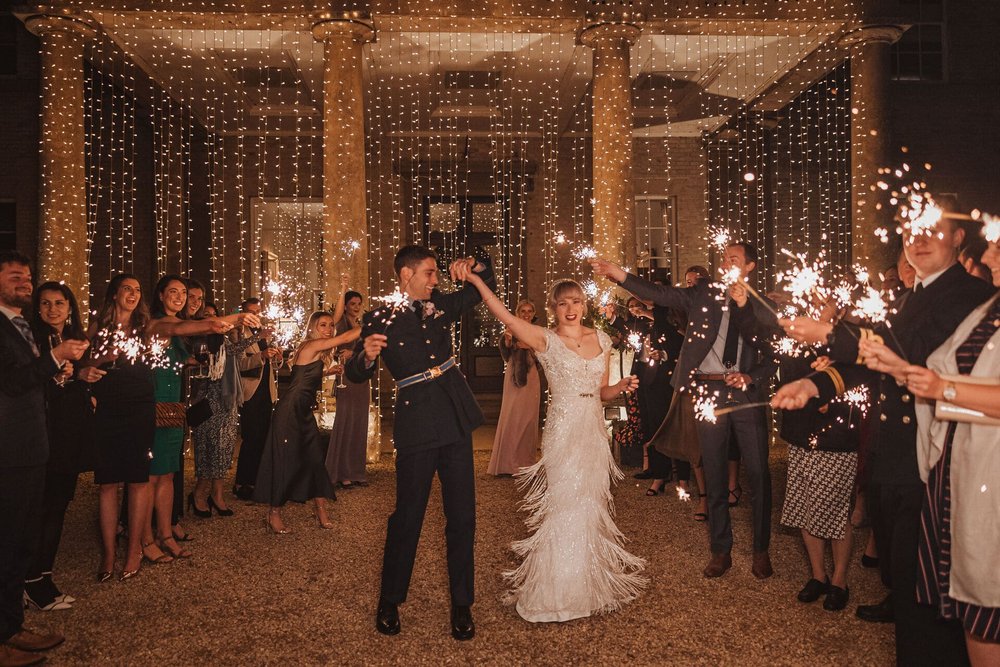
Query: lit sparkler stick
{"x":350,"y":246}
{"x":635,"y":340}
{"x":736,"y":408}
{"x":991,"y":227}
{"x":683,"y":495}
{"x":719,"y":237}
{"x":705,"y":409}
{"x":584,"y":253}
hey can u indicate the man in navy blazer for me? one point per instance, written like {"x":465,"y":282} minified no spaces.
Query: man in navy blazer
{"x":435,"y":415}
{"x":24,"y":450}
{"x":717,"y":357}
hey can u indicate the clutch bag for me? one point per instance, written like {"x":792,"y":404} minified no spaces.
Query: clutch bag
{"x":945,"y":411}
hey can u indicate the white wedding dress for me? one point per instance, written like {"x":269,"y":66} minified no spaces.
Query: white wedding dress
{"x":574,"y":564}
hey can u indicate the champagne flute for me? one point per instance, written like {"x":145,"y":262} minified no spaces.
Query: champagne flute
{"x":340,"y":384}
{"x":55,"y":340}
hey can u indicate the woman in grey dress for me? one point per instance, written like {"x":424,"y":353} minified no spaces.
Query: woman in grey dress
{"x":345,"y":458}
{"x":215,"y":439}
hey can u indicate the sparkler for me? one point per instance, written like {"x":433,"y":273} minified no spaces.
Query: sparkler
{"x":683,"y":495}
{"x":584,"y":253}
{"x":350,"y":246}
{"x":991,"y":227}
{"x":284,"y":313}
{"x":635,"y":340}
{"x":118,"y":343}
{"x":705,"y":409}
{"x":719,"y":237}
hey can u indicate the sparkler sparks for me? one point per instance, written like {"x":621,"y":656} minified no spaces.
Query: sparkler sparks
{"x":120,"y":344}
{"x":719,"y":237}
{"x":704,"y":409}
{"x":635,"y":340}
{"x":683,"y":495}
{"x":285,"y":317}
{"x":584,"y":253}
{"x":991,"y":227}
{"x":871,"y":306}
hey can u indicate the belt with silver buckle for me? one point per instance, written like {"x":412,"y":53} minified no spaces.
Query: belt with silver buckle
{"x":429,"y":374}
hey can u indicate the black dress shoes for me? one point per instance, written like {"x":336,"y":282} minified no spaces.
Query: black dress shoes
{"x":813,"y":589}
{"x":387,"y":618}
{"x":644,"y":474}
{"x":869,"y":561}
{"x":836,"y":598}
{"x":462,"y":627}
{"x":718,"y":565}
{"x":877,"y":613}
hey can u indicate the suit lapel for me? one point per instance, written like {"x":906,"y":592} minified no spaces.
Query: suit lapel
{"x":13,"y":333}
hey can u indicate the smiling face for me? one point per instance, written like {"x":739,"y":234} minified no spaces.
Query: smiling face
{"x":526,"y":312}
{"x":323,"y":327}
{"x":568,"y":304}
{"x":53,"y":308}
{"x":173,"y":297}
{"x":15,"y":286}
{"x":933,"y":252}
{"x":420,"y":281}
{"x":195,"y":300}
{"x":991,"y":258}
{"x":128,"y":295}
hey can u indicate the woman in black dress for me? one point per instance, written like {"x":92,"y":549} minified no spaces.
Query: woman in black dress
{"x":292,"y":466}
{"x":56,"y":317}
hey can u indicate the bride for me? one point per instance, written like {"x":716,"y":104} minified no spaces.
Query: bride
{"x":574,"y":564}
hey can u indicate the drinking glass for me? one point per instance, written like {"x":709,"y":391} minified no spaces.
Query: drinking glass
{"x":55,"y":340}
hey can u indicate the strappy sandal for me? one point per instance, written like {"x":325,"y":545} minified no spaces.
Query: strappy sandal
{"x":701,"y":516}
{"x":179,"y":552}
{"x":735,"y":493}
{"x":159,"y":560}
{"x":652,"y":491}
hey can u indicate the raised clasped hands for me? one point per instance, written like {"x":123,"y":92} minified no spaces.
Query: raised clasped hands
{"x":606,"y":269}
{"x":794,"y":395}
{"x":805,"y":329}
{"x":464,"y":269}
{"x":879,"y":357}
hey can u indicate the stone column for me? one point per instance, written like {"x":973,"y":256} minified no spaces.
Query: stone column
{"x":870,"y":68}
{"x":62,"y":242}
{"x":344,"y":202}
{"x":614,"y":200}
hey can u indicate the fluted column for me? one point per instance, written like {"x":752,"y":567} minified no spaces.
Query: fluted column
{"x":870,"y":68}
{"x":614,"y":200}
{"x":62,"y":242}
{"x":344,"y":203}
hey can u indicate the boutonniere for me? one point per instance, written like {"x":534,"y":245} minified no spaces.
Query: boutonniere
{"x":430,"y":310}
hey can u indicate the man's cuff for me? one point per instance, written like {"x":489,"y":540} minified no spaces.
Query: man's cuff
{"x":368,"y":364}
{"x":58,"y":363}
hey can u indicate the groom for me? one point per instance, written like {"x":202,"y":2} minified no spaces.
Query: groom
{"x":435,"y":415}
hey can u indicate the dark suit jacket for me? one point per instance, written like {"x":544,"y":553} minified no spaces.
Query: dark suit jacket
{"x":433,"y":413}
{"x":22,"y":399}
{"x":704,"y":315}
{"x":922,"y":322}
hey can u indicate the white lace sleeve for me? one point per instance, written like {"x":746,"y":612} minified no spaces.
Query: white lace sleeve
{"x":605,"y":341}
{"x":549,"y":335}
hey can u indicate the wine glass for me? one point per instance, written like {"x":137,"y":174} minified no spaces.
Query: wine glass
{"x":202,"y":356}
{"x":730,"y":369}
{"x":55,"y":340}
{"x":340,"y":376}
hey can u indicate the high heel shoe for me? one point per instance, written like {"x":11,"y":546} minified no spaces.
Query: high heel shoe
{"x":128,"y":574}
{"x":655,"y":490}
{"x":736,"y":493}
{"x":212,"y":505}
{"x":268,"y":528}
{"x":162,"y":558}
{"x":202,"y":514}
{"x":178,"y":553}
{"x":103,"y":577}
{"x":328,"y":525}
{"x":701,"y":516}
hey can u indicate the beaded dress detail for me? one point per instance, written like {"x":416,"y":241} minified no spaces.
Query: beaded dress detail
{"x":574,"y":563}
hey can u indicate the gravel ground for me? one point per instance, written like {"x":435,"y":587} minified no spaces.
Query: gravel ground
{"x":308,"y":598}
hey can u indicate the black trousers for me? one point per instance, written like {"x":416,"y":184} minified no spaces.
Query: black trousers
{"x":414,"y":474}
{"x":922,"y":637}
{"x":746,"y":427}
{"x":255,"y":421}
{"x":21,"y":491}
{"x":45,"y":533}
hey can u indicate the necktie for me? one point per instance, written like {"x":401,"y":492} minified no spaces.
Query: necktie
{"x":418,"y":308}
{"x":731,"y":350}
{"x":918,"y":289}
{"x":25,"y":329}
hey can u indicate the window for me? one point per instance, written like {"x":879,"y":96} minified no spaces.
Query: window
{"x":656,"y":237}
{"x":919,"y":55}
{"x":8,"y":225}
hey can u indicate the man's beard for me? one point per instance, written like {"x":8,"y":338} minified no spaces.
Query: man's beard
{"x":16,"y":300}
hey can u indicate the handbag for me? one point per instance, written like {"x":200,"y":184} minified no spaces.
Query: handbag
{"x":945,"y":411}
{"x":170,"y":415}
{"x":199,"y":413}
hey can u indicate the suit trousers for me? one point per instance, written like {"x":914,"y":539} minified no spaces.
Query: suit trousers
{"x":45,"y":533}
{"x":255,"y":421}
{"x":21,"y":491}
{"x":414,"y":474}
{"x":922,"y":637}
{"x":747,"y":428}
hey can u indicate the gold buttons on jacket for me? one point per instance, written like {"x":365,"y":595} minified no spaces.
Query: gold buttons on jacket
{"x":906,"y":398}
{"x":882,"y":417}
{"x":906,"y":419}
{"x":881,"y":397}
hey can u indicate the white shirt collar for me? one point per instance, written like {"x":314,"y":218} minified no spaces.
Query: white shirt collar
{"x":9,"y":313}
{"x":926,"y":282}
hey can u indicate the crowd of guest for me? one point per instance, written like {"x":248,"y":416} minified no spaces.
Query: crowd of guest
{"x":122,"y":398}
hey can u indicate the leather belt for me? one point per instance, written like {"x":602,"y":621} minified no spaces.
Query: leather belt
{"x":720,"y":377}
{"x":429,"y":374}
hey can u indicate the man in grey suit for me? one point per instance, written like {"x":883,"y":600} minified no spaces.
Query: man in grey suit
{"x":24,"y":450}
{"x":717,"y":358}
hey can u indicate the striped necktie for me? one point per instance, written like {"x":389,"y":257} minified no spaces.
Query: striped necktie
{"x":25,"y":329}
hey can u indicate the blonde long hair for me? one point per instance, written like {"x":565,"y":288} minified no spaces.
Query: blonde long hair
{"x":560,"y":288}
{"x":310,"y":333}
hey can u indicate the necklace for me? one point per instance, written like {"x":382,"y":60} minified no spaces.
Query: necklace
{"x":578,"y":341}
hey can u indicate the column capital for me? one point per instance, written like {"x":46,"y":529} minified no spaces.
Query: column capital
{"x":594,"y":34}
{"x":883,"y":33}
{"x":43,"y":19}
{"x":352,"y":24}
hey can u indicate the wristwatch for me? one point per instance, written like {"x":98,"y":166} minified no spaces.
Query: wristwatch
{"x":949,"y":392}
